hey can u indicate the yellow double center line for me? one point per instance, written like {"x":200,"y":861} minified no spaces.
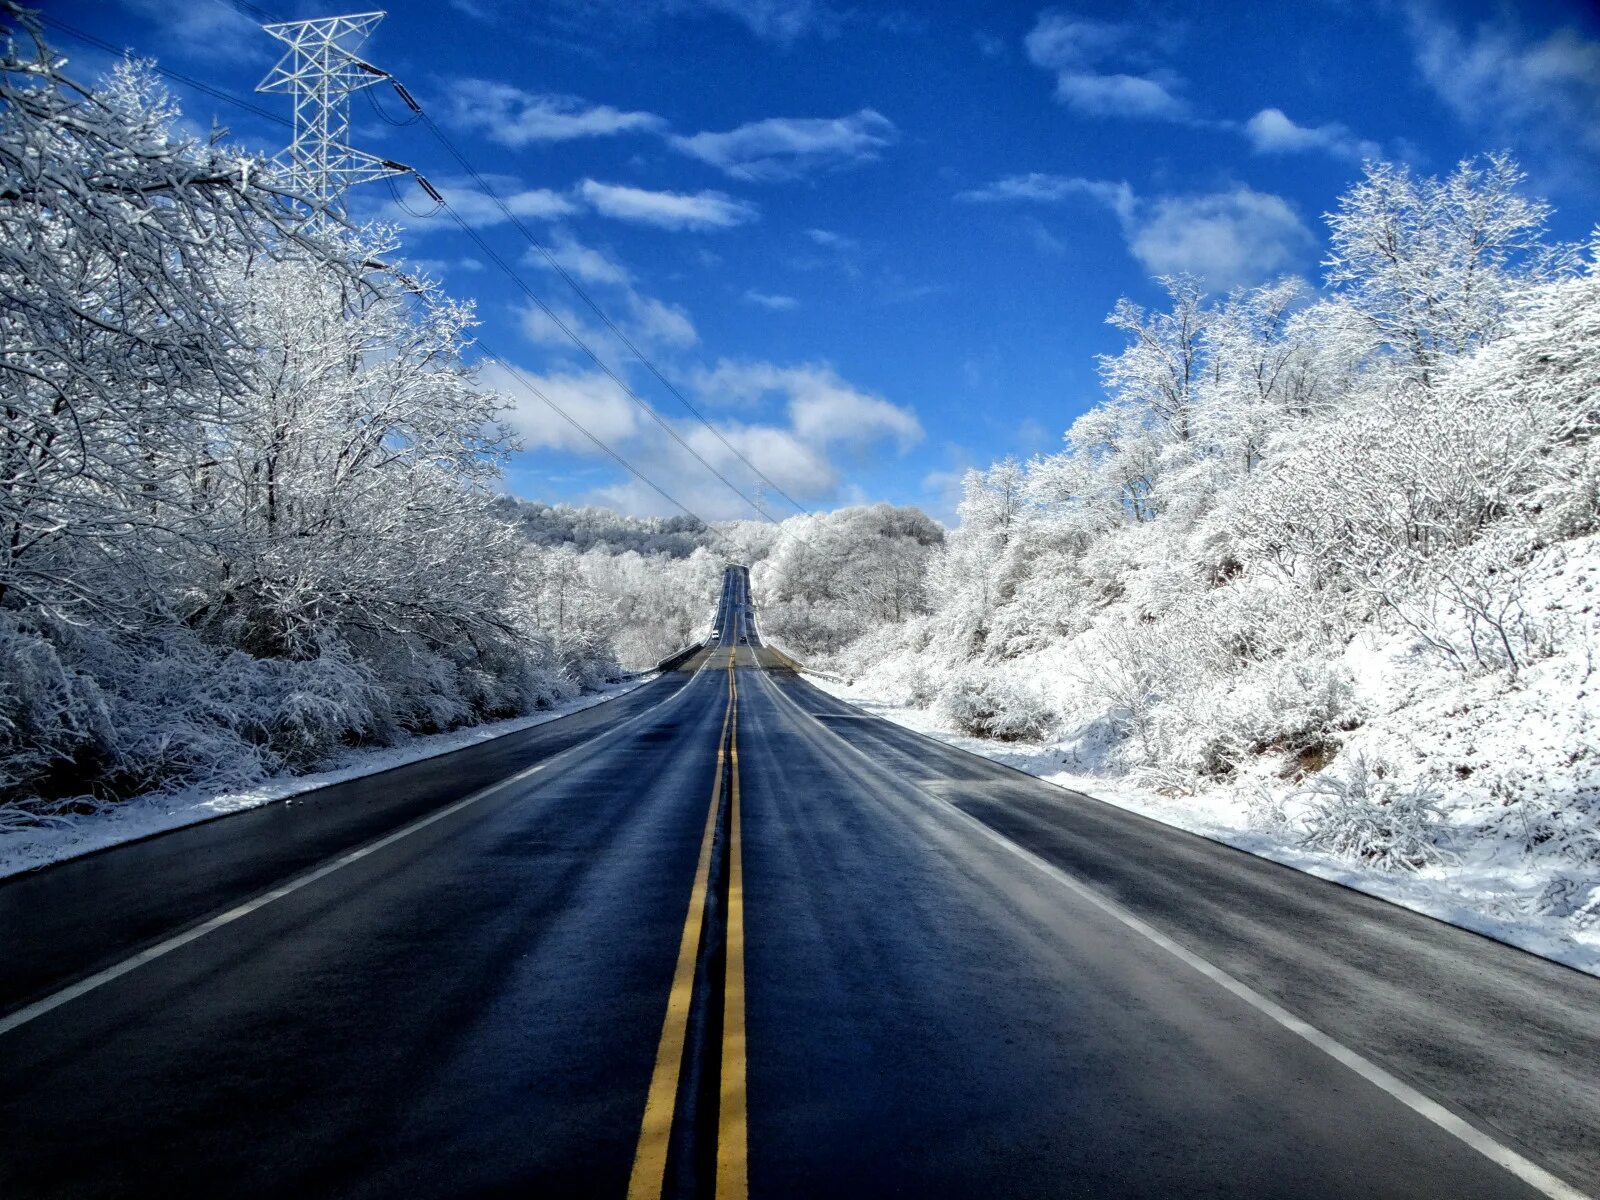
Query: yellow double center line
{"x":650,"y":1159}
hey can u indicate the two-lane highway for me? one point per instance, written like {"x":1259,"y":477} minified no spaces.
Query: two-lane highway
{"x":729,"y":936}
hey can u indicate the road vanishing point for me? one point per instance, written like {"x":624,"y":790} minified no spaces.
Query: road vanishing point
{"x":728,"y":936}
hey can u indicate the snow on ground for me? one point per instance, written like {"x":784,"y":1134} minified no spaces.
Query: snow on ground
{"x":28,"y":849}
{"x":1541,"y":902}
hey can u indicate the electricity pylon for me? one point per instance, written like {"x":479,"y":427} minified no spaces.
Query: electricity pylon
{"x":320,"y":70}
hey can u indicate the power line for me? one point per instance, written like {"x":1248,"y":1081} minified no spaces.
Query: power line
{"x":482,"y":348}
{"x":581,"y":428}
{"x":595,"y":307}
{"x":511,"y":274}
{"x":188,"y":80}
{"x":254,"y":11}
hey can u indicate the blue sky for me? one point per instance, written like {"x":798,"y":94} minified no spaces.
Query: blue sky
{"x":876,"y":245}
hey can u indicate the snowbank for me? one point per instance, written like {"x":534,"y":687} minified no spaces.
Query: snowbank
{"x":30,"y":848}
{"x":1495,"y":883}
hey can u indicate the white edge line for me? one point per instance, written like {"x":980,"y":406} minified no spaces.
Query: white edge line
{"x":1430,"y":1110}
{"x":88,"y":984}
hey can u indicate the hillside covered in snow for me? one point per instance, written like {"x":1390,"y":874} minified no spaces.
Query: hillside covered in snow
{"x":1321,"y":571}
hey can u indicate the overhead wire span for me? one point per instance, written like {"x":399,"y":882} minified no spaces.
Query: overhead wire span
{"x":187,"y":80}
{"x":438,"y":202}
{"x":537,"y":393}
{"x":572,"y":336}
{"x":605,"y":318}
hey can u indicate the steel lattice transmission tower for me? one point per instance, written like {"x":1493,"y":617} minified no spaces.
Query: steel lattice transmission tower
{"x":320,"y":70}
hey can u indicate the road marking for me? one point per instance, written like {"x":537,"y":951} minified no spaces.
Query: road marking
{"x":733,"y":1182}
{"x":1430,"y":1110}
{"x":655,"y":1128}
{"x":100,"y":978}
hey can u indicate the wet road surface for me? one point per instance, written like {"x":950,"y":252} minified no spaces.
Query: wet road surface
{"x":728,"y":936}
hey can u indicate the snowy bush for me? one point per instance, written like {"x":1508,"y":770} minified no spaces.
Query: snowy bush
{"x":991,"y":703}
{"x":1360,"y":813}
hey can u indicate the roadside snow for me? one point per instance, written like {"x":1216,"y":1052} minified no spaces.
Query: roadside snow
{"x":30,"y":848}
{"x":1541,"y":903}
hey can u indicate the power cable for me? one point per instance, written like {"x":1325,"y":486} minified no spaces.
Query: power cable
{"x":404,"y":206}
{"x":188,"y":80}
{"x":511,"y":274}
{"x":579,"y":426}
{"x":439,"y":202}
{"x":595,"y":307}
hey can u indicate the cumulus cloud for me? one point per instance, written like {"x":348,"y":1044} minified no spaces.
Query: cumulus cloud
{"x":663,"y":324}
{"x":516,"y":118}
{"x":1095,"y":63}
{"x":777,"y":303}
{"x":798,"y":424}
{"x":789,"y":147}
{"x":1272,"y":132}
{"x":581,"y":261}
{"x":647,"y":321}
{"x":666,"y":210}
{"x":590,"y":398}
{"x":822,"y":407}
{"x":477,"y":209}
{"x":1540,"y":94}
{"x":1227,"y":238}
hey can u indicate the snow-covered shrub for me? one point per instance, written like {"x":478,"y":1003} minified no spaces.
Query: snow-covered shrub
{"x":51,"y":715}
{"x":1267,"y":811}
{"x":1291,"y":703}
{"x":994,"y":704}
{"x":1361,"y":813}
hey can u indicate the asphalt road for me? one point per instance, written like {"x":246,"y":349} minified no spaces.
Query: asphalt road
{"x":726,"y":936}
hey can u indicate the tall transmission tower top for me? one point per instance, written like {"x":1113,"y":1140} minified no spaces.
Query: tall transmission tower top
{"x":320,"y":70}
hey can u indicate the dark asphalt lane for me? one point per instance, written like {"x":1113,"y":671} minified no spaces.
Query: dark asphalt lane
{"x":1090,"y":1045}
{"x":77,"y":916}
{"x":483,"y":1005}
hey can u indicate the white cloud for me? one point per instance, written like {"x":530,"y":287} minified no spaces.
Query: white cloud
{"x":1091,"y":61}
{"x":517,"y":118}
{"x":590,"y":398}
{"x":545,"y":328}
{"x":1539,"y":94}
{"x":1227,"y":238}
{"x":583,"y":262}
{"x":1119,"y":96}
{"x":645,"y":320}
{"x":801,"y":425}
{"x":663,"y":324}
{"x":213,"y":28}
{"x":667,"y":210}
{"x":476,"y":209}
{"x":1272,"y":132}
{"x":781,"y":21}
{"x":789,"y":147}
{"x":830,"y":239}
{"x":1046,"y":188}
{"x":777,"y":303}
{"x":822,"y":407}
{"x":650,"y":323}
